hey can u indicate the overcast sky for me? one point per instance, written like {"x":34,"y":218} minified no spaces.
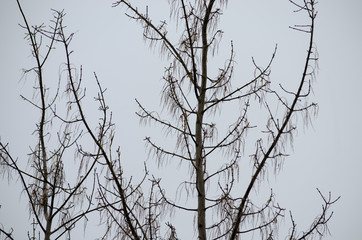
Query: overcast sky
{"x":326,"y":155}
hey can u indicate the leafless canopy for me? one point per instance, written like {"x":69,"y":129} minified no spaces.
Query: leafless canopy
{"x":194,"y":96}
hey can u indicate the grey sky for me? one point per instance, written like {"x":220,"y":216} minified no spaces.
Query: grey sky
{"x":108,"y":43}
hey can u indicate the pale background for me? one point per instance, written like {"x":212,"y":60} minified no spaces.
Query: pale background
{"x":326,"y":155}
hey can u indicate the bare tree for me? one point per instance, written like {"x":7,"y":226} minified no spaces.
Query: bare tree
{"x":57,"y":201}
{"x":210,"y":146}
{"x":192,"y":95}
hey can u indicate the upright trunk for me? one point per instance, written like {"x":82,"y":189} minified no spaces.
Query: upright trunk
{"x":48,"y":230}
{"x":199,"y":159}
{"x":42,"y":158}
{"x":199,"y":165}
